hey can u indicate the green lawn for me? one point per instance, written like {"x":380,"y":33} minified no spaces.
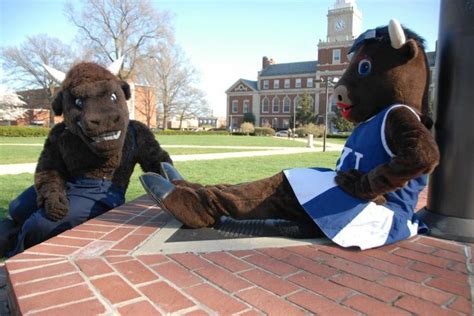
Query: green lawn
{"x":23,"y":154}
{"x":223,"y":140}
{"x":234,"y":170}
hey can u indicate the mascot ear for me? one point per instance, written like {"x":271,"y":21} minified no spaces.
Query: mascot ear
{"x":410,"y":49}
{"x":126,"y":89}
{"x":58,"y":104}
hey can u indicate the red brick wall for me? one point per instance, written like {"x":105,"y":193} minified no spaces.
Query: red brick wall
{"x":240,"y":99}
{"x":145,"y":106}
{"x":292,"y":82}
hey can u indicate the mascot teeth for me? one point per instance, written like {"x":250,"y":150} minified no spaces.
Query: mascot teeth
{"x":107,"y":136}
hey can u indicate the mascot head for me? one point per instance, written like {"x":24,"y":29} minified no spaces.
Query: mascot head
{"x":93,"y":102}
{"x":388,"y":65}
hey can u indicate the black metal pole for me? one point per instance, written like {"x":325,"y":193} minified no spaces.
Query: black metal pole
{"x":450,"y":209}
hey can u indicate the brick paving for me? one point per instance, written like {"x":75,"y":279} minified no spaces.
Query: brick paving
{"x":92,"y":269}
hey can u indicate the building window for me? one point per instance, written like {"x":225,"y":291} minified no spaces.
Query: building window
{"x":235,"y":106}
{"x":286,"y":104}
{"x":246,"y":106}
{"x":298,"y":83}
{"x":265,"y":84}
{"x":276,"y":105}
{"x":265,"y":122}
{"x":286,"y":123}
{"x":275,"y":123}
{"x":276,"y":84}
{"x":297,"y":102}
{"x":265,"y":105}
{"x":309,"y":83}
{"x":287,"y":83}
{"x":336,"y":56}
{"x":332,"y":103}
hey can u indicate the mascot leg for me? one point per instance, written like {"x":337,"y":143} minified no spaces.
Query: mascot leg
{"x":197,"y":206}
{"x":19,"y":210}
{"x":38,"y":227}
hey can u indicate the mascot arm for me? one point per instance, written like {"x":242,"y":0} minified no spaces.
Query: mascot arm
{"x":150,"y":153}
{"x":50,"y":179}
{"x":415,"y":153}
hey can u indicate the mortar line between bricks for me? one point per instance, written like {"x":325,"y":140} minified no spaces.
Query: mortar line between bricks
{"x":284,"y":298}
{"x":137,"y":287}
{"x":27,"y":296}
{"x":190,"y":297}
{"x":46,"y":265}
{"x":44,"y":279}
{"x":35,"y":311}
{"x":108,"y":306}
{"x":247,"y":311}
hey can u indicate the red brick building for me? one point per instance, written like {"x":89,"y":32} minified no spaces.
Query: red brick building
{"x":141,"y":107}
{"x":279,"y":88}
{"x":274,"y":96}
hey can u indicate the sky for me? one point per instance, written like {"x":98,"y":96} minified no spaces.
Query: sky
{"x":225,"y":40}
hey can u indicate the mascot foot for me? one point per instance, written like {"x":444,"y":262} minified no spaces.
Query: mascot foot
{"x":8,"y":232}
{"x":157,"y":187}
{"x":170,"y":172}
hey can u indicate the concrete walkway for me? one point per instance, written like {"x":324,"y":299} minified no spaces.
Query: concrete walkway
{"x":259,"y":151}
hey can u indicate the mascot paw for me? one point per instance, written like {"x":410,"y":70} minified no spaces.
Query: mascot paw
{"x":354,"y":183}
{"x":56,"y":206}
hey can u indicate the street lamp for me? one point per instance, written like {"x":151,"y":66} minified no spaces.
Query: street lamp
{"x":328,"y":81}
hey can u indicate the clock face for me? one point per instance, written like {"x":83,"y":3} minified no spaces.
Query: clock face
{"x":340,"y":25}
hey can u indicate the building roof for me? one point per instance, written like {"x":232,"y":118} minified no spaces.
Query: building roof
{"x":252,"y":84}
{"x":302,"y":67}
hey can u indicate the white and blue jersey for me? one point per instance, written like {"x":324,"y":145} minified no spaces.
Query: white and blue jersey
{"x":350,"y":221}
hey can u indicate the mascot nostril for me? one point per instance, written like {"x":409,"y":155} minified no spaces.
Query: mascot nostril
{"x":87,"y":160}
{"x":369,"y":200}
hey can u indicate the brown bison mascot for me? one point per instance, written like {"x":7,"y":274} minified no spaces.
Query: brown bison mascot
{"x":87,"y":160}
{"x":369,"y":200}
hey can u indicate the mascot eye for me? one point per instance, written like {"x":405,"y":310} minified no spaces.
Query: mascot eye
{"x":365,"y":66}
{"x":113,"y":98}
{"x":79,"y":103}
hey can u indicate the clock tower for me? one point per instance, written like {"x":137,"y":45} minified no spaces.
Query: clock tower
{"x":344,"y":21}
{"x":344,"y":24}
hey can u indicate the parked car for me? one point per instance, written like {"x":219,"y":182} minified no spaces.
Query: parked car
{"x":283,"y":133}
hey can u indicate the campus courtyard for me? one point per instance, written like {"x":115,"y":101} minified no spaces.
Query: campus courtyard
{"x":138,"y":260}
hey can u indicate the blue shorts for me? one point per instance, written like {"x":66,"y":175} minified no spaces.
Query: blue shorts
{"x":88,"y":198}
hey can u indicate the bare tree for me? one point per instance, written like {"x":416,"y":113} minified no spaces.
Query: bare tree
{"x":173,"y":77}
{"x":11,"y":106}
{"x":114,"y":28}
{"x":191,"y":104}
{"x":23,"y":64}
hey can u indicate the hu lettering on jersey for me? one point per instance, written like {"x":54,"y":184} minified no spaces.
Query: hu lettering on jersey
{"x":345,"y":153}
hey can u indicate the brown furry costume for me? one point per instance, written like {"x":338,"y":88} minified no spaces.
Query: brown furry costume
{"x":378,"y":77}
{"x":96,"y":142}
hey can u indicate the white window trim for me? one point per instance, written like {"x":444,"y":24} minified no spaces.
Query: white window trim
{"x":274,"y":105}
{"x":236,"y":104}
{"x":263,"y":100}
{"x":276,"y":84}
{"x":266,"y":84}
{"x":246,"y":105}
{"x":295,"y":101}
{"x":289,"y":104}
{"x":308,"y":80}
{"x":334,"y":60}
{"x":298,"y":83}
{"x":289,"y":83}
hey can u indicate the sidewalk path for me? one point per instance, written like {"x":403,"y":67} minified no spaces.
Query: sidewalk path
{"x":268,"y":151}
